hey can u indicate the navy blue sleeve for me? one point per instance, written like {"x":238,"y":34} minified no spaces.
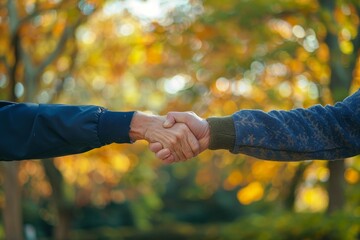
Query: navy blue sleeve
{"x":29,"y":131}
{"x":320,"y":132}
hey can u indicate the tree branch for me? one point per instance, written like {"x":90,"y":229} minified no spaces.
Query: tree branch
{"x":16,"y":45}
{"x":15,"y":22}
{"x":58,"y":86}
{"x":67,"y":33}
{"x":356,"y":40}
{"x":13,"y":17}
{"x":6,"y":64}
{"x":59,"y":47}
{"x":38,"y":12}
{"x":63,"y":39}
{"x":28,"y":64}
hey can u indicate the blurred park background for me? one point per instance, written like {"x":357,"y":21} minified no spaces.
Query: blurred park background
{"x":211,"y":57}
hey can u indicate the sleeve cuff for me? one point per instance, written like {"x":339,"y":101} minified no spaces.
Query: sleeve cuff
{"x":114,"y":127}
{"x":222,"y":133}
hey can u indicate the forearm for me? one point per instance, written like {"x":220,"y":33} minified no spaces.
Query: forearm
{"x":319,"y":132}
{"x":39,"y":131}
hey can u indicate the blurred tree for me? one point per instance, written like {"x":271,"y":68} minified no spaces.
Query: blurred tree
{"x":343,"y":40}
{"x":242,"y":55}
{"x":210,"y":57}
{"x":292,"y":45}
{"x":273,"y":52}
{"x":36,"y":35}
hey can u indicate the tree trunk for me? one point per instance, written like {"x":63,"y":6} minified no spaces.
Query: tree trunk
{"x":342,"y":67}
{"x":30,"y":74}
{"x":290,"y":198}
{"x":12,"y":209}
{"x":336,"y":185}
{"x":63,"y":208}
{"x":12,"y":213}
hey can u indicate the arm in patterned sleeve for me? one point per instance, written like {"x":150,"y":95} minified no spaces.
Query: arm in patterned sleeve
{"x":319,"y":132}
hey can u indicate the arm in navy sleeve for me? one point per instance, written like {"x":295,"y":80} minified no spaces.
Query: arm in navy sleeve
{"x":319,"y":132}
{"x":30,"y":131}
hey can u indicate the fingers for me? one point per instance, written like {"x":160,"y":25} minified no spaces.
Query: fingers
{"x":169,"y":159}
{"x":160,"y":153}
{"x":189,"y":119}
{"x":169,"y":122}
{"x":196,"y":124}
{"x":173,"y":117}
{"x":185,"y":145}
{"x":180,"y":142}
{"x":193,"y":142}
{"x":155,"y":147}
{"x":189,"y":145}
{"x":187,"y":141}
{"x":163,"y":154}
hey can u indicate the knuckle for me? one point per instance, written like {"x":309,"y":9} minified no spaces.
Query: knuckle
{"x":196,"y":150}
{"x":184,"y":129}
{"x":178,"y":135}
{"x":188,"y":156}
{"x":188,"y":153}
{"x":173,"y":141}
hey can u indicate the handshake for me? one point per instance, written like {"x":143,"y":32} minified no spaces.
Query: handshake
{"x":177,"y":137}
{"x":52,"y":130}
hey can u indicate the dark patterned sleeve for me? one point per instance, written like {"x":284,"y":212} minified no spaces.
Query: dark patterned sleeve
{"x":320,"y":132}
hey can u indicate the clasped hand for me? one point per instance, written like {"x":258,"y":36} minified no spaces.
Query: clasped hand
{"x":177,"y":137}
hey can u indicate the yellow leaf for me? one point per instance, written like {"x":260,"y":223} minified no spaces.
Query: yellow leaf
{"x":352,"y":176}
{"x":346,"y":47}
{"x":234,"y":179}
{"x":251,"y":193}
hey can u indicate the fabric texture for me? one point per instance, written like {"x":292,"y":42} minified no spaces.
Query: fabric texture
{"x":49,"y":130}
{"x":319,"y":132}
{"x":222,"y":132}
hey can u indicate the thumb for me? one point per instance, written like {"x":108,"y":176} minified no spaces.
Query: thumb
{"x":170,"y":121}
{"x":196,"y":124}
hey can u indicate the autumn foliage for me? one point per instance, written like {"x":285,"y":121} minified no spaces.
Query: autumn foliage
{"x":211,"y":57}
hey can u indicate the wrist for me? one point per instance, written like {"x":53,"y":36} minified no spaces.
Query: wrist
{"x":205,"y":140}
{"x":222,"y":133}
{"x":143,"y":126}
{"x":138,"y":126}
{"x":107,"y":121}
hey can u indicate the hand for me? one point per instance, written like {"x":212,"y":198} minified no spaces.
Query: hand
{"x":179,"y":140}
{"x":198,"y":126}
